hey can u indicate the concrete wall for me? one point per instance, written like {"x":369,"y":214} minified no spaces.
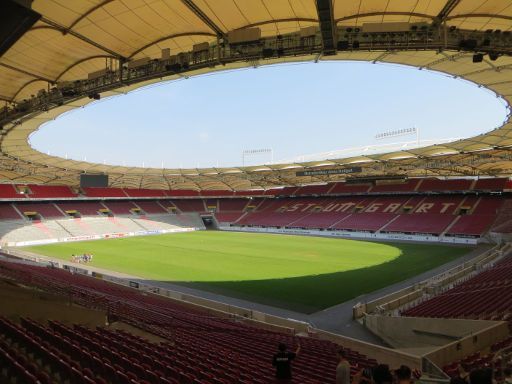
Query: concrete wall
{"x":470,"y":344}
{"x":395,"y":299}
{"x":420,"y":332}
{"x":383,"y":355}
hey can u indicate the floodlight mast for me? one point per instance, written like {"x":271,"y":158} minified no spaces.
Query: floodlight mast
{"x":255,"y":152}
{"x":399,"y":132}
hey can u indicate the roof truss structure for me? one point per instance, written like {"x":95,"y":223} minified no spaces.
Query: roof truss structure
{"x":75,"y":41}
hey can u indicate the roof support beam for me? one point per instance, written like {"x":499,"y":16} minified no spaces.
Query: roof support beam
{"x":23,"y":87}
{"x":66,"y":30}
{"x":204,"y":18}
{"x":26,"y":73}
{"x":275,"y":21}
{"x":447,"y":9}
{"x":169,"y":37}
{"x":68,"y":68}
{"x":446,"y":57}
{"x":479,"y":15}
{"x":325,"y":12}
{"x":370,"y":14}
{"x":88,"y":12}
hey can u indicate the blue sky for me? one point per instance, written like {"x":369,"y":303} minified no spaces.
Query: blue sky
{"x":294,"y":109}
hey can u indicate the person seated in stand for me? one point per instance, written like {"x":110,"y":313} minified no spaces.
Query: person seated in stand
{"x":481,"y":376}
{"x":382,"y":375}
{"x":282,"y":361}
{"x":507,"y":375}
{"x":403,"y":375}
{"x":343,"y":368}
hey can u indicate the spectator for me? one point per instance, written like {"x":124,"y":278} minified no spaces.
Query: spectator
{"x":507,"y":375}
{"x":364,"y":376}
{"x":481,"y":376}
{"x":283,"y":362}
{"x":403,"y":375}
{"x":382,"y":375}
{"x":458,"y":380}
{"x":342,"y":369}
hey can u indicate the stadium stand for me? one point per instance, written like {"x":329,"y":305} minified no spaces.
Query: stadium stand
{"x":342,"y":188}
{"x":320,"y":220}
{"x":491,"y":184}
{"x":485,"y":296}
{"x":465,"y":215}
{"x":195,"y":205}
{"x":46,"y":210}
{"x":134,"y":192}
{"x":405,"y":186}
{"x":449,"y":214}
{"x":157,"y":223}
{"x":115,"y":356}
{"x":367,"y":213}
{"x":424,"y":223}
{"x":271,"y":219}
{"x":314,"y":190}
{"x":104,"y":192}
{"x":120,"y":207}
{"x":503,"y":223}
{"x":286,"y":191}
{"x":479,"y":360}
{"x":8,"y":191}
{"x":182,"y":192}
{"x":50,"y":191}
{"x":232,"y":204}
{"x":249,"y":193}
{"x":471,"y":225}
{"x":21,"y":231}
{"x":8,"y":212}
{"x":207,"y":193}
{"x":80,"y":226}
{"x":370,"y":222}
{"x":430,"y":185}
{"x":150,"y":207}
{"x":228,"y":217}
{"x":85,"y":208}
{"x":337,"y":188}
{"x":184,"y":220}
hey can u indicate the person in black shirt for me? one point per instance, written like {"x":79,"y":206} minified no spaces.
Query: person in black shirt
{"x":283,"y":362}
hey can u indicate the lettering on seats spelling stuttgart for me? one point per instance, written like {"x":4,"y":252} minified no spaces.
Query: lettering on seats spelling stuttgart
{"x":337,"y":206}
{"x":338,"y":171}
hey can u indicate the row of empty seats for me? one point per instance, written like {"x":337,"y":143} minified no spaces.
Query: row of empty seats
{"x":479,"y":360}
{"x":235,"y":351}
{"x":18,"y":191}
{"x":439,"y":214}
{"x":452,"y":215}
{"x":20,"y":231}
{"x":485,"y":296}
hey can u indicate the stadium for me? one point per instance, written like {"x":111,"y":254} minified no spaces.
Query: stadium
{"x":391,"y":265}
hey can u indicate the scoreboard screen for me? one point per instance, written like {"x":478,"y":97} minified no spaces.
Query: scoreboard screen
{"x":88,"y":180}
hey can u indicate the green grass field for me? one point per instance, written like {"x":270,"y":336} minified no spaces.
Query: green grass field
{"x":305,"y":274}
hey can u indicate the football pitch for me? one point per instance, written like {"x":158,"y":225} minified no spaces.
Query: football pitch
{"x":305,"y":274}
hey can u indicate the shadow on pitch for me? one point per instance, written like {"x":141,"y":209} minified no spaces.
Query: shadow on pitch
{"x":309,"y":294}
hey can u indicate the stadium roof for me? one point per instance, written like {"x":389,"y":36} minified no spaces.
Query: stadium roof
{"x":74,"y":39}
